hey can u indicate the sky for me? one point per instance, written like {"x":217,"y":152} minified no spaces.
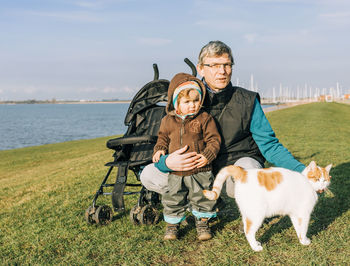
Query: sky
{"x":104,"y":49}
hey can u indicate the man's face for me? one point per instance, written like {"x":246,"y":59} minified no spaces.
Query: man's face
{"x":216,"y":71}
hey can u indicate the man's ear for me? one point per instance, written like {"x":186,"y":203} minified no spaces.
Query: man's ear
{"x":200,"y":70}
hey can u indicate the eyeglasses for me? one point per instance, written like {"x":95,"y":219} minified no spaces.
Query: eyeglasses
{"x":227,"y":66}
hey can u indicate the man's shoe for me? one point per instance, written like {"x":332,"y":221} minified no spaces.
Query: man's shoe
{"x":203,"y":230}
{"x":171,"y":231}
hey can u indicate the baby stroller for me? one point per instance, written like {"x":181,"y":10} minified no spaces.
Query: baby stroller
{"x":132,"y":152}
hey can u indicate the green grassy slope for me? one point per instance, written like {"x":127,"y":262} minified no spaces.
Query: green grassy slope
{"x":45,"y":190}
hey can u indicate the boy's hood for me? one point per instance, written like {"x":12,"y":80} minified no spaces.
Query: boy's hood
{"x":175,"y":82}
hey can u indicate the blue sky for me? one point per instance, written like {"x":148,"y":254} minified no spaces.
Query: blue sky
{"x":102,"y":49}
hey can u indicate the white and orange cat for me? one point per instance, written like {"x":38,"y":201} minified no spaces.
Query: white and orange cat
{"x":262,"y":193}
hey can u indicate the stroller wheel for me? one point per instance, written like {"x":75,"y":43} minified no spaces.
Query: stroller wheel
{"x":149,"y":215}
{"x":103,"y":215}
{"x":89,"y":213}
{"x":134,"y":215}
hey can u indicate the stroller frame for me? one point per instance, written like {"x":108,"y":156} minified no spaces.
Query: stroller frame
{"x":140,"y":147}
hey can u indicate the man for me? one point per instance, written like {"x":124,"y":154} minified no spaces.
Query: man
{"x":247,"y":137}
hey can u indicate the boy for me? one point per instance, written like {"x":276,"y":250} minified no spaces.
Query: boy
{"x":186,"y":125}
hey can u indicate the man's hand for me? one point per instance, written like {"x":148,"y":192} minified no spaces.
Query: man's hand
{"x":181,"y":161}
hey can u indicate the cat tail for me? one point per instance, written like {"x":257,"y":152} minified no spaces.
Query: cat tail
{"x":220,"y":179}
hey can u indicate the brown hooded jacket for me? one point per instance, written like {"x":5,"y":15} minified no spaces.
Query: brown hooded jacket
{"x":198,"y":131}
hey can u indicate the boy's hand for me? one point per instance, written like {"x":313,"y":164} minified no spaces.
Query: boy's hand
{"x":202,"y":161}
{"x":157,"y":155}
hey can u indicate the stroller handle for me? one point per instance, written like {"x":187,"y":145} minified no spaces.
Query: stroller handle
{"x":156,"y":72}
{"x":191,"y":65}
{"x":187,"y":61}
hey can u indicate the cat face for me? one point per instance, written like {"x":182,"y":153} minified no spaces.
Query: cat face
{"x":319,"y":177}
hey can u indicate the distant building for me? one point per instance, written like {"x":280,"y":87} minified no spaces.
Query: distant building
{"x":329,"y":98}
{"x":322,"y":98}
{"x":325,"y":98}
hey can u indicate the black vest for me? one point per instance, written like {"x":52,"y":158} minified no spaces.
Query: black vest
{"x":232,"y":110}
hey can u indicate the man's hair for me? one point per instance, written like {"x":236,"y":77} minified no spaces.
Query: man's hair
{"x":214,"y":49}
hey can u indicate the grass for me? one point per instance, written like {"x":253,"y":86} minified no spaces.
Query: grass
{"x":45,"y":190}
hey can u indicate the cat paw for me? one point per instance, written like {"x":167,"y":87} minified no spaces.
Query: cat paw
{"x":211,"y":195}
{"x":257,"y":246}
{"x":305,"y":241}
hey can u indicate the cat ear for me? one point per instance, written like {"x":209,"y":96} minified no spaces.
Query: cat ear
{"x":328,"y":167}
{"x":312,"y":166}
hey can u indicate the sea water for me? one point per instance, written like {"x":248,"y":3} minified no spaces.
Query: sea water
{"x":23,"y":125}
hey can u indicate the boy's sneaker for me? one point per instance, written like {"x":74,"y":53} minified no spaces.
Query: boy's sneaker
{"x":171,"y":231}
{"x":203,"y":230}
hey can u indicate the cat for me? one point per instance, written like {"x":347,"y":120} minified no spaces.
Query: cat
{"x":262,"y":193}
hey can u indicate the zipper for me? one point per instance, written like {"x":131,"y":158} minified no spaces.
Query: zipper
{"x":182,"y":131}
{"x":222,"y":112}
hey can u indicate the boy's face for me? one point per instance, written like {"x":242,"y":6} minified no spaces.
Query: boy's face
{"x":189,"y":104}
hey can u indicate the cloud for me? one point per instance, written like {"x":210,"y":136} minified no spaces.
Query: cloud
{"x":86,"y":4}
{"x":336,"y":15}
{"x":21,"y":92}
{"x":110,"y":90}
{"x":341,"y":18}
{"x":250,"y":37}
{"x":154,"y":41}
{"x":107,"y":90}
{"x":30,"y":90}
{"x":98,"y":3}
{"x":304,"y":36}
{"x":79,"y":16}
{"x":223,"y":24}
{"x":129,"y":90}
{"x":278,"y":1}
{"x":118,"y":90}
{"x":87,"y":90}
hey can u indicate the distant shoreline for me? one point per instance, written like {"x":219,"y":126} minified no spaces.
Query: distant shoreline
{"x":283,"y":106}
{"x":93,"y":102}
{"x":62,"y":102}
{"x":266,"y":109}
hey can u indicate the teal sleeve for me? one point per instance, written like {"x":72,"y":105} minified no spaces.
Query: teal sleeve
{"x":273,"y":151}
{"x":161,"y":165}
